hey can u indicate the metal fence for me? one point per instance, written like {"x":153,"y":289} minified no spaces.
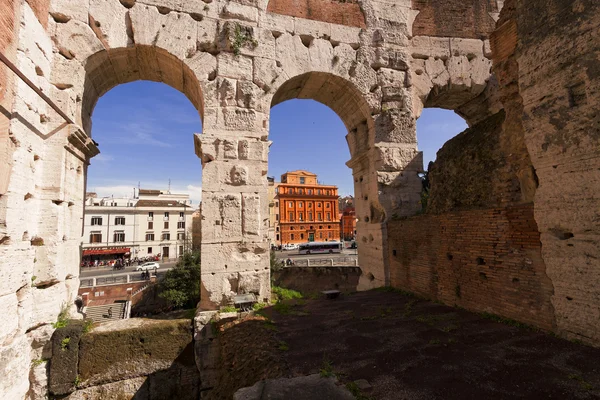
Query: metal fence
{"x":325,"y":262}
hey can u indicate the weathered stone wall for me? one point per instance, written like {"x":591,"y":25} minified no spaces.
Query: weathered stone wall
{"x":557,"y":51}
{"x":142,"y":359}
{"x":486,"y":260}
{"x":313,"y":280}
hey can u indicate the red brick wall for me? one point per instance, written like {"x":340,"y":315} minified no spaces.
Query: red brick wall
{"x":7,"y":34}
{"x":337,"y":12}
{"x":40,"y":9}
{"x":483,"y":260}
{"x":112,"y":292}
{"x":454,"y":18}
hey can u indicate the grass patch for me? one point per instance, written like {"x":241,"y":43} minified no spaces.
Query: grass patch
{"x":190,"y":313}
{"x":584,"y":384}
{"x":507,"y":321}
{"x":356,"y":392}
{"x":228,"y":309}
{"x":77,"y":381}
{"x":408,"y":307}
{"x":326,"y":370}
{"x":282,"y":308}
{"x":283,"y":346}
{"x":285,"y":294}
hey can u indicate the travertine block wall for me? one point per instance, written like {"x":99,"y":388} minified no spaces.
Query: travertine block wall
{"x":234,"y":60}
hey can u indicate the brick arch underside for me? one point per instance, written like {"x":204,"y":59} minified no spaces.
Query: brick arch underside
{"x":454,"y":18}
{"x":109,"y":68}
{"x":336,"y":93}
{"x":345,"y":12}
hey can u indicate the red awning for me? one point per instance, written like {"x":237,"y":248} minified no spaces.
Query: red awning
{"x":94,"y":252}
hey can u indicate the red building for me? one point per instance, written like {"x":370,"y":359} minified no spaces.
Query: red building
{"x":348,"y":223}
{"x":308,"y":211}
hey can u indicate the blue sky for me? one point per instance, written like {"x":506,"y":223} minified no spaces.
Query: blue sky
{"x":145,"y":132}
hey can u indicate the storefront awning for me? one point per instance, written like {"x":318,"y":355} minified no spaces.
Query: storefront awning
{"x":94,"y":252}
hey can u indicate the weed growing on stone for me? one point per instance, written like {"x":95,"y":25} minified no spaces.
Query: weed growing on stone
{"x":356,"y":392}
{"x":326,"y":370}
{"x":33,"y":278}
{"x":65,"y":343}
{"x":584,"y":384}
{"x":77,"y":381}
{"x":61,"y":320}
{"x":241,"y":38}
{"x":87,"y":325}
{"x":39,"y":361}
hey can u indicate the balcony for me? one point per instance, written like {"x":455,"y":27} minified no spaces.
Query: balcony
{"x":165,"y":218}
{"x":150,"y":219}
{"x":181,"y":219}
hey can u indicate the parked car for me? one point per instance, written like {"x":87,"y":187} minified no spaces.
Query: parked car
{"x":148,"y":266}
{"x":289,"y":246}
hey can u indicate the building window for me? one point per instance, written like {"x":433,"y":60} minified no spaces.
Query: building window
{"x":149,"y":237}
{"x":291,"y":216}
{"x":291,"y":228}
{"x":299,"y":204}
{"x":180,"y":249}
{"x":150,"y":225}
{"x":96,"y":220}
{"x":302,"y":180}
{"x":328,"y":216}
{"x":328,"y":226}
{"x":320,"y":235}
{"x":119,"y":236}
{"x":290,"y":191}
{"x":95,"y":237}
{"x":327,"y":205}
{"x":276,"y":204}
{"x":181,"y":215}
{"x":319,"y":204}
{"x":319,"y":218}
{"x":181,"y":236}
{"x":120,"y":221}
{"x":318,"y":191}
{"x":310,"y":216}
{"x":166,"y":236}
{"x":320,"y":226}
{"x":149,"y":250}
{"x":277,"y":237}
{"x":309,"y":205}
{"x":300,"y":191}
{"x":151,"y":214}
{"x":181,"y":225}
{"x":166,"y":225}
{"x":302,"y":236}
{"x":301,"y":227}
{"x":277,"y":229}
{"x":291,"y":204}
{"x":311,"y":227}
{"x":292,"y":236}
{"x":276,"y":217}
{"x":300,"y":216}
{"x":330,"y":235}
{"x":310,"y":191}
{"x":167,"y":214}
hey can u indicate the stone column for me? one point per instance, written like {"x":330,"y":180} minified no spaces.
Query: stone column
{"x":235,"y":215}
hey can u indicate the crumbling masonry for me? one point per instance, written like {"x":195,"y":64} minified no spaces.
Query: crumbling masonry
{"x":513,"y":218}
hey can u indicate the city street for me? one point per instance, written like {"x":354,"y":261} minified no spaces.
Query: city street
{"x":88,"y":272}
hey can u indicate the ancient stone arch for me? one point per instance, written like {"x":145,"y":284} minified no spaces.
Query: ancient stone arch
{"x":377,"y":68}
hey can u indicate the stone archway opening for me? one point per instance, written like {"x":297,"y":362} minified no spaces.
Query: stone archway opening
{"x":307,"y":138}
{"x":109,"y":68}
{"x":345,"y":100}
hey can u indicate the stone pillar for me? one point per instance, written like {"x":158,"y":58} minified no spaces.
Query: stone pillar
{"x":234,"y":152}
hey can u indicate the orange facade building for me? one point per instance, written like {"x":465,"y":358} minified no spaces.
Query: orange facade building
{"x":308,"y":211}
{"x":348,"y":223}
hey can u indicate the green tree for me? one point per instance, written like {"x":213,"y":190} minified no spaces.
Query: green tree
{"x":181,"y":285}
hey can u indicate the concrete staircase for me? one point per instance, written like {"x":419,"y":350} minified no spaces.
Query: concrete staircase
{"x":100,"y":313}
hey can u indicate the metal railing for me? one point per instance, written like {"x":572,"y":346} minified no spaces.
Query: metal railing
{"x":115,"y":280}
{"x":324,"y":262}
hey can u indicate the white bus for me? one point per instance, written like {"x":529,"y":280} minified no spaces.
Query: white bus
{"x":320,"y":247}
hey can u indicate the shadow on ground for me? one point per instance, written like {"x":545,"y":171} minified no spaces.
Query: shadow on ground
{"x":408,"y":348}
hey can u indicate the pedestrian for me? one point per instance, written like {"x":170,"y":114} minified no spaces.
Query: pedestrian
{"x":109,"y":312}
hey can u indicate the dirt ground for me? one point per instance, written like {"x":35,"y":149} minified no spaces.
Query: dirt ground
{"x":407,"y":348}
